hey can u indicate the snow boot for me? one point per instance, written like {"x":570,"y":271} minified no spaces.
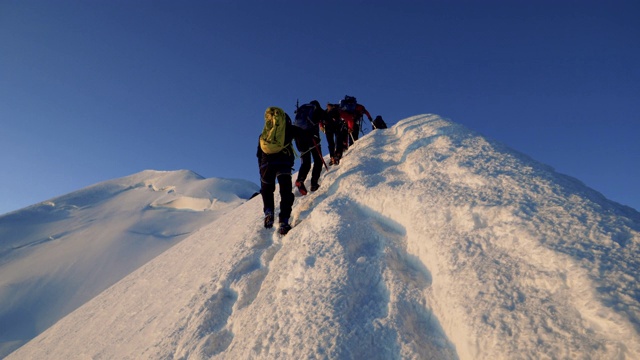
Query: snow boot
{"x":332,"y":161}
{"x":284,"y":227}
{"x":268,"y":218}
{"x":301,"y":188}
{"x":314,"y":187}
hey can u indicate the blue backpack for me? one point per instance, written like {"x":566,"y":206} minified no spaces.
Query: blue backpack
{"x":348,"y":104}
{"x":304,"y":117}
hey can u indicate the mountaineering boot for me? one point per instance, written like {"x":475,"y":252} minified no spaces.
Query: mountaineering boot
{"x":332,"y":161}
{"x":268,"y":218}
{"x":284,"y":227}
{"x":314,"y":187}
{"x":301,"y":188}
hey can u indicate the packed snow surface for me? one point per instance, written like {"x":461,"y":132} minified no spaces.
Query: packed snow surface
{"x":428,"y":241}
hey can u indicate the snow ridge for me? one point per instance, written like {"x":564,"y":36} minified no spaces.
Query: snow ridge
{"x":56,"y":255}
{"x":428,"y":241}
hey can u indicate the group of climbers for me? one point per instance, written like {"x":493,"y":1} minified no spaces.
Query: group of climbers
{"x":341,"y":123}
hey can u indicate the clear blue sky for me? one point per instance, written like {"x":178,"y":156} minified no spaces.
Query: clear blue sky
{"x":95,"y":90}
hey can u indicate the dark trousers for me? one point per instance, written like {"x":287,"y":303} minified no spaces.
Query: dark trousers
{"x":268,"y":176}
{"x":307,"y":151}
{"x":353,"y":136}
{"x":335,"y":139}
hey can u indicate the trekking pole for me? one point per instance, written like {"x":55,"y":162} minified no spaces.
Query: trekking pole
{"x":352,"y":138}
{"x":320,"y":153}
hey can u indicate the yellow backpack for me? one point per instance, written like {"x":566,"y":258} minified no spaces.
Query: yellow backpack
{"x":272,"y":139}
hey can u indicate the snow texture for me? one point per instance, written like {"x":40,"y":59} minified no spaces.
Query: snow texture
{"x":56,"y":255}
{"x":428,"y":241}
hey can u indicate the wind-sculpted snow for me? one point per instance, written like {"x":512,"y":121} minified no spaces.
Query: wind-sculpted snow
{"x":426,"y":242}
{"x":56,"y":255}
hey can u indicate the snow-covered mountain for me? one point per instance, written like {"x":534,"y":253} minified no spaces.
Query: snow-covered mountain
{"x":56,"y":255}
{"x":428,"y":241}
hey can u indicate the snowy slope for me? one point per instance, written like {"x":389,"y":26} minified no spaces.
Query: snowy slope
{"x":56,"y":255}
{"x":426,"y":242}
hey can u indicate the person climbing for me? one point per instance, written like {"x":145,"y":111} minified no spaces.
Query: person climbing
{"x":336,"y":132}
{"x":378,"y":123}
{"x":308,"y":118}
{"x":275,"y":160}
{"x":352,"y":113}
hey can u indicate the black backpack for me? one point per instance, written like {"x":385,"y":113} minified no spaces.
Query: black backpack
{"x":304,"y":117}
{"x":378,"y":123}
